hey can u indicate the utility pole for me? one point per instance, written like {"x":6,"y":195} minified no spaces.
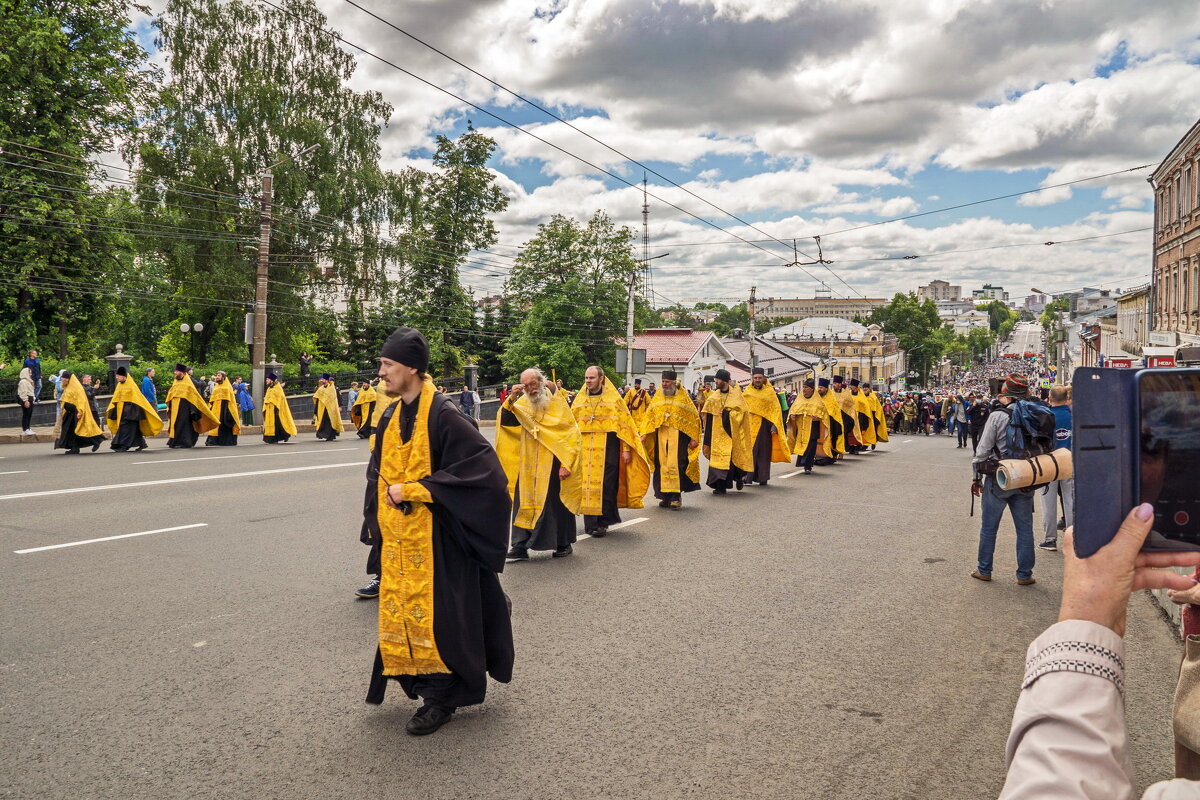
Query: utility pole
{"x":753,"y":357}
{"x":258,"y":351}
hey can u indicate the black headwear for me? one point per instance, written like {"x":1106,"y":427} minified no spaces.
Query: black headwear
{"x":181,"y":368}
{"x":408,"y":347}
{"x":722,"y":375}
{"x":758,"y":371}
{"x":854,"y":381}
{"x":325,"y":376}
{"x":271,"y":376}
{"x":637,"y":381}
{"x":823,"y":382}
{"x":810,"y":383}
{"x":670,"y":375}
{"x":122,"y":371}
{"x":839,"y":379}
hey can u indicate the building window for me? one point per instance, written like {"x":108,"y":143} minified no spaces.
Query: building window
{"x":854,"y":372}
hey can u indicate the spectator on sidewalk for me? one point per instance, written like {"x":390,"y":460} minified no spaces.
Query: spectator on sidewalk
{"x":148,"y":389}
{"x":245,"y":401}
{"x":27,"y":397}
{"x":35,"y":368}
{"x":351,"y":396}
{"x":59,"y":379}
{"x":1060,"y":404}
{"x":469,"y":401}
{"x":1068,"y":736}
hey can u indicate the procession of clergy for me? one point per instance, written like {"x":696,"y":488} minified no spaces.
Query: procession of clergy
{"x":131,"y":416}
{"x":443,"y":510}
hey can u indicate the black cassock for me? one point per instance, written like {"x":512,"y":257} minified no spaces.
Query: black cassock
{"x":686,"y":484}
{"x":721,"y":478}
{"x":367,"y":428}
{"x":471,"y":614}
{"x":184,"y":433}
{"x":129,"y":431}
{"x":225,"y":435}
{"x":325,"y":426}
{"x":555,"y":528}
{"x":67,"y":440}
{"x":762,"y":453}
{"x":609,"y":514}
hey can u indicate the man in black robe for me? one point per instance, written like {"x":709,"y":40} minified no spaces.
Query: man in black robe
{"x":224,"y":405}
{"x":187,"y":410}
{"x":77,"y":428}
{"x":442,"y":533}
{"x":128,"y":418}
{"x":835,"y":426}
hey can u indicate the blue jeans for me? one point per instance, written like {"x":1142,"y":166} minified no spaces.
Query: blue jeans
{"x":1020,"y":505}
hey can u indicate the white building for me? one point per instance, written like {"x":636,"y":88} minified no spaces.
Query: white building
{"x":693,"y":354}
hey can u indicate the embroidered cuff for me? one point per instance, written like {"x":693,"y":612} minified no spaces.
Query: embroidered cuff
{"x":416,"y":493}
{"x":1077,"y":646}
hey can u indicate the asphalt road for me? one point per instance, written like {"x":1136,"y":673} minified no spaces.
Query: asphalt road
{"x":819,"y":637}
{"x":1026,"y":338}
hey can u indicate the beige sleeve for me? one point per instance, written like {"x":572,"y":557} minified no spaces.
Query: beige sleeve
{"x":1068,"y":737}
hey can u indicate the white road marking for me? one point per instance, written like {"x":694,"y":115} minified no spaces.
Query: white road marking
{"x":627,"y":523}
{"x":14,"y":472}
{"x":176,"y":480}
{"x":110,"y":538}
{"x":906,"y":441}
{"x":789,"y":475}
{"x":248,"y":455}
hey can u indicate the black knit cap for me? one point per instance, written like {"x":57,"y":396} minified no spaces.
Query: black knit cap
{"x":408,"y":347}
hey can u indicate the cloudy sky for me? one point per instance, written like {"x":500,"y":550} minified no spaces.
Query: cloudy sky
{"x":807,"y":117}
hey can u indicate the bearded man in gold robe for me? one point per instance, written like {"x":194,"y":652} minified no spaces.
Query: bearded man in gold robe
{"x":848,"y":408}
{"x":278,"y":425}
{"x":725,"y":441}
{"x":189,"y":414}
{"x":540,"y":448}
{"x":327,"y":414}
{"x":637,"y":400}
{"x":435,"y":511}
{"x":878,"y":418}
{"x":224,"y":406}
{"x":863,"y":408}
{"x":614,"y":471}
{"x":671,"y":439}
{"x":764,"y":426}
{"x":808,"y":428}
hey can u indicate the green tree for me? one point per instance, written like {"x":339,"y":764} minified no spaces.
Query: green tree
{"x":731,"y":319}
{"x":1006,"y":328}
{"x":574,"y":279}
{"x":980,"y":341}
{"x":253,"y":87}
{"x":1052,"y":310}
{"x":71,"y":77}
{"x":451,"y":218}
{"x":917,"y":327}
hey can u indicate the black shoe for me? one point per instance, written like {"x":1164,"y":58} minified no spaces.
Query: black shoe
{"x":428,"y":719}
{"x":664,"y":503}
{"x":599,"y":533}
{"x":1049,"y":544}
{"x":738,"y":485}
{"x":369,"y":591}
{"x":562,"y":552}
{"x":95,"y":447}
{"x":764,"y":483}
{"x":74,"y":451}
{"x":718,"y":491}
{"x":140,"y":448}
{"x":808,"y":470}
{"x":518,"y":554}
{"x":1062,"y":524}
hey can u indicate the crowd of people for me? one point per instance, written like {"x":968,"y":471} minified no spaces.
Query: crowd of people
{"x":444,"y":510}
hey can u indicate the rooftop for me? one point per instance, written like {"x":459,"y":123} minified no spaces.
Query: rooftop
{"x":670,"y":345}
{"x":819,"y":327}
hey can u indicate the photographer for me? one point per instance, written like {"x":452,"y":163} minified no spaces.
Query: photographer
{"x":992,"y":448}
{"x":1068,"y":736}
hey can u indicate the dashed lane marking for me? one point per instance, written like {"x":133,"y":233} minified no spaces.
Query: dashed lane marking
{"x":789,"y":475}
{"x":248,"y":455}
{"x":14,"y":472}
{"x":110,"y":538}
{"x":222,"y":476}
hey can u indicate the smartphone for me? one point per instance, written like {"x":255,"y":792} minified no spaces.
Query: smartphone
{"x":1167,"y":469}
{"x":1136,"y":440}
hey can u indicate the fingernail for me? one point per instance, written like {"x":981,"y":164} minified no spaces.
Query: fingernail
{"x":1144,"y":512}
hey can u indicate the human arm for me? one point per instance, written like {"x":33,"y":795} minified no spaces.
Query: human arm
{"x":1068,"y":737}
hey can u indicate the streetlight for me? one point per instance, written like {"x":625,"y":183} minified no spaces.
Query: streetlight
{"x":191,"y":330}
{"x":633,"y":276}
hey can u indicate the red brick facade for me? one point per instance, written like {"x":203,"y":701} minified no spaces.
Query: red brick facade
{"x":1176,"y":278}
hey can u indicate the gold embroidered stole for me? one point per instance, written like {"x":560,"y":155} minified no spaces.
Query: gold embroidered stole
{"x":728,"y":449}
{"x":527,"y":455}
{"x":325,"y":399}
{"x":222,"y":393}
{"x":804,"y":412}
{"x":666,"y":418}
{"x":597,"y":416}
{"x":763,"y":406}
{"x":406,"y":639}
{"x":282,"y":418}
{"x":76,"y":396}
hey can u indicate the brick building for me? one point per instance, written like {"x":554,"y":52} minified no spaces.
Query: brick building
{"x":1176,"y":276}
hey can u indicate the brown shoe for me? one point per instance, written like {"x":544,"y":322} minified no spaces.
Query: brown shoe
{"x":1025,"y":581}
{"x":979,"y":576}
